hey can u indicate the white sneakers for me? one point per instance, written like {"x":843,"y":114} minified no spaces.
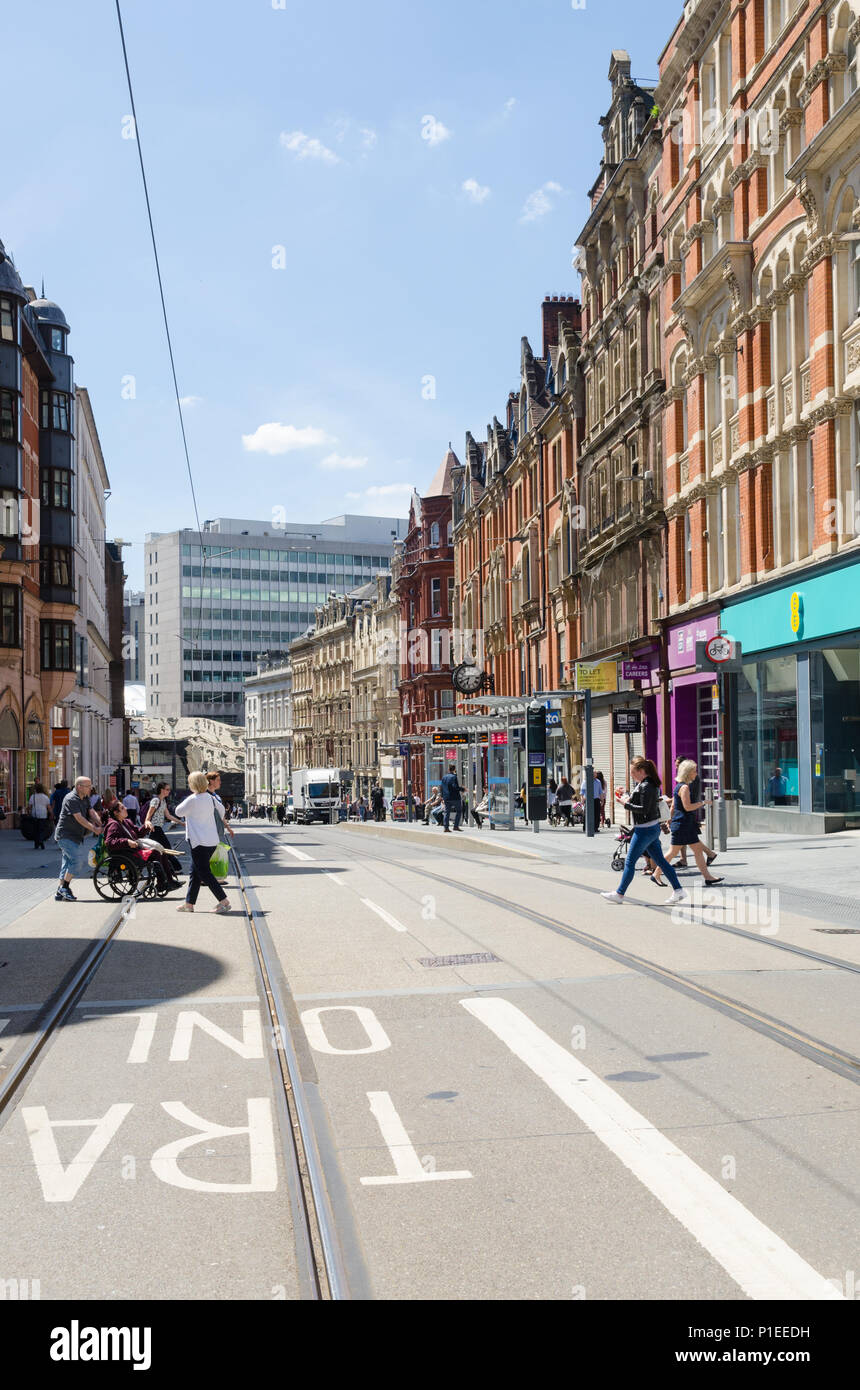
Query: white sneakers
{"x":613,"y":897}
{"x":680,"y":895}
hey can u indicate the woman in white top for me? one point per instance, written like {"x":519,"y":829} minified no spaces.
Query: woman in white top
{"x":201,"y":832}
{"x":39,"y":807}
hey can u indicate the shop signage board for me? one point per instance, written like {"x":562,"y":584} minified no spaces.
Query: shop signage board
{"x":635,"y":671}
{"x":682,"y":640}
{"x":60,"y":738}
{"x":600,"y":677}
{"x":403,"y":749}
{"x":553,"y":718}
{"x":627,"y":721}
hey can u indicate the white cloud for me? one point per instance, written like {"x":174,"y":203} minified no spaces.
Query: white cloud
{"x":433,"y":131}
{"x":368,"y":138}
{"x":539,"y":203}
{"x":510,"y":103}
{"x":275,"y":438}
{"x":307,"y":147}
{"x":384,"y":490}
{"x":190,"y":400}
{"x":475,"y":192}
{"x":332,"y":462}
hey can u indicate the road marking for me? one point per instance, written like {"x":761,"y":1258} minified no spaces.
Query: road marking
{"x":754,"y":1256}
{"x":251,"y":1045}
{"x":379,"y":1039}
{"x":334,"y":878}
{"x":261,"y":1146}
{"x":4,"y":1023}
{"x":62,"y":1182}
{"x":386,"y":916}
{"x":143,"y":1035}
{"x":406,"y":1161}
{"x":296,"y":853}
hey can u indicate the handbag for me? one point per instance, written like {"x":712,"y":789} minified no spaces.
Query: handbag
{"x":28,"y":826}
{"x":220,"y":860}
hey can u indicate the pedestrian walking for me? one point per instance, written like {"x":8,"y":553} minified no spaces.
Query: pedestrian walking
{"x":523,"y":802}
{"x":201,"y":830}
{"x":60,"y":790}
{"x":599,"y":778}
{"x":777,"y":788}
{"x":598,"y":790}
{"x":157,"y":812}
{"x":222,"y":816}
{"x":565,"y":800}
{"x":377,"y":802}
{"x":684,"y":824}
{"x":75,"y":822}
{"x":644,"y":806}
{"x":452,"y":797}
{"x":281,"y":812}
{"x":131,"y":803}
{"x":39,"y":806}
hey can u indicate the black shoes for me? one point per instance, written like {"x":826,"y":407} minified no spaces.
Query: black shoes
{"x":64,"y":894}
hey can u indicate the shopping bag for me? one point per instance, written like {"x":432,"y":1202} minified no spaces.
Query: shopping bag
{"x":220,"y":862}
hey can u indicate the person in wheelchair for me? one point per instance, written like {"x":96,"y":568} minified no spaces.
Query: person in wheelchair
{"x":122,"y":834}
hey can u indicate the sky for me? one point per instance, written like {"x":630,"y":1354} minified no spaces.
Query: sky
{"x":359,"y":209}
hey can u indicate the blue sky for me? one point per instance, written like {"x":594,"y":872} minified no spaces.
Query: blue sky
{"x":304,"y":127}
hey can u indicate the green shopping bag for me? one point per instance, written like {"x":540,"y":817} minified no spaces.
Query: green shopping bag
{"x":220,"y":861}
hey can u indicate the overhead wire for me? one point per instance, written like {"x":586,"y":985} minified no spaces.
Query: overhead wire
{"x":166,"y":321}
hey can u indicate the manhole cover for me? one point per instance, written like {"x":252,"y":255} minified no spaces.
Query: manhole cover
{"x":476,"y":958}
{"x":838,"y":931}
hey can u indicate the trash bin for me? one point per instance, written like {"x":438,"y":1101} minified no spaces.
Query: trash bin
{"x":733,"y":816}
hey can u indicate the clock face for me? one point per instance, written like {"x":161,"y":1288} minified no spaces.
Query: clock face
{"x":467,"y":678}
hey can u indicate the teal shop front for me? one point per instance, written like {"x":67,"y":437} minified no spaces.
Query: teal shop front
{"x":793,"y":712}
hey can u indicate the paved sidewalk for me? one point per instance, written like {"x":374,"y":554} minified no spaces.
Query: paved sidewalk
{"x":818,"y":876}
{"x":27,"y":876}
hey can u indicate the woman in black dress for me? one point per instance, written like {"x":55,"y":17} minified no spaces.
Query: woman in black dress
{"x":684,"y":823}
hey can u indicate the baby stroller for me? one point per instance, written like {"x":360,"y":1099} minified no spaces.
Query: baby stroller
{"x":619,"y":855}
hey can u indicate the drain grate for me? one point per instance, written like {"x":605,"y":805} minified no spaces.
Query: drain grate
{"x":476,"y":958}
{"x":838,"y":931}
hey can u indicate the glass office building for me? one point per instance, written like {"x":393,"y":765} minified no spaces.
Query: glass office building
{"x":215,"y":602}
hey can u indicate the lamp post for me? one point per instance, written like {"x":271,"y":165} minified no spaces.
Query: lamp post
{"x":172,"y":721}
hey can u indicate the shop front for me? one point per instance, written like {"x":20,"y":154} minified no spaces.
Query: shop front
{"x":10,"y":743}
{"x":618,"y":707}
{"x":794,"y":708}
{"x":694,"y":721}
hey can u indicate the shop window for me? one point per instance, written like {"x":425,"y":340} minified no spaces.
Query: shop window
{"x":835,"y":710}
{"x":767,"y":771}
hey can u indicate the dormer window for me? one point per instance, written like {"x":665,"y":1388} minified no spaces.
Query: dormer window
{"x":58,"y":340}
{"x":7,"y":321}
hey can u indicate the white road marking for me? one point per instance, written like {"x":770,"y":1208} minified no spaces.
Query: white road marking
{"x":335,"y":879}
{"x":261,"y":1147}
{"x":61,"y":1182}
{"x":386,"y":916}
{"x":143,"y":1035}
{"x":250,"y":1046}
{"x":4,"y":1023}
{"x":291,"y":849}
{"x":379,"y":1039}
{"x":754,"y":1256}
{"x":406,"y":1161}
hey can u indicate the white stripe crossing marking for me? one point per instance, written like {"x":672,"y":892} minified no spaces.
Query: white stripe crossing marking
{"x":753,"y":1255}
{"x":409,"y":1167}
{"x":291,"y":849}
{"x":334,"y":879}
{"x":386,"y":916}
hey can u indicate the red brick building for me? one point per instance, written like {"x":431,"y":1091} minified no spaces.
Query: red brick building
{"x":423,"y":575}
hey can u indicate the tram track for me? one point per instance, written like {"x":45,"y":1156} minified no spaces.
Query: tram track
{"x":833,"y":1058}
{"x":325,"y":1273}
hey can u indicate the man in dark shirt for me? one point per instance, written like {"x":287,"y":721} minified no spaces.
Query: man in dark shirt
{"x":75,"y":822}
{"x":452,"y":796}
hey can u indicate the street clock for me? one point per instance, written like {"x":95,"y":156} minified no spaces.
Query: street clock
{"x":468,"y":678}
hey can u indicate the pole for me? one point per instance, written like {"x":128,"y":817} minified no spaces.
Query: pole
{"x":409,"y":815}
{"x":589,"y":771}
{"x":721,"y":827}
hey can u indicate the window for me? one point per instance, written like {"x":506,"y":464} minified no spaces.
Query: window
{"x":855,"y":274}
{"x":57,"y":340}
{"x":10,"y":625}
{"x":57,"y":646}
{"x":60,"y":414}
{"x":56,"y":566}
{"x":434,"y":535}
{"x":7,"y":321}
{"x":688,"y":559}
{"x":56,"y":488}
{"x":450,"y":595}
{"x":8,"y":417}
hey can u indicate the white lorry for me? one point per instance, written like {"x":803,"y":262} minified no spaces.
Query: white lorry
{"x":316,"y":790}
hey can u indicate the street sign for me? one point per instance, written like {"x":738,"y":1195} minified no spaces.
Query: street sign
{"x":403,"y":749}
{"x":719,"y":654}
{"x":499,"y":740}
{"x":635,"y":671}
{"x":720,"y":649}
{"x":553,"y":718}
{"x":627,"y":721}
{"x":600,"y":677}
{"x":60,"y":738}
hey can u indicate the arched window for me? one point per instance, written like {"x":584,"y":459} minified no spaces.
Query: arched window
{"x":434,"y":535}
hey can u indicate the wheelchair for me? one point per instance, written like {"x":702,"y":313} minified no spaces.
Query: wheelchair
{"x":117,"y":876}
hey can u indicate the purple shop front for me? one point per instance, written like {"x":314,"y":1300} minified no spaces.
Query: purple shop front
{"x":694,"y":723}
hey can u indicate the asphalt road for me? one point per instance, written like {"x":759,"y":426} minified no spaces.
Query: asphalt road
{"x":608,"y":1103}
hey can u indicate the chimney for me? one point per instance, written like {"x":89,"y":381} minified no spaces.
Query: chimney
{"x":557,"y":309}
